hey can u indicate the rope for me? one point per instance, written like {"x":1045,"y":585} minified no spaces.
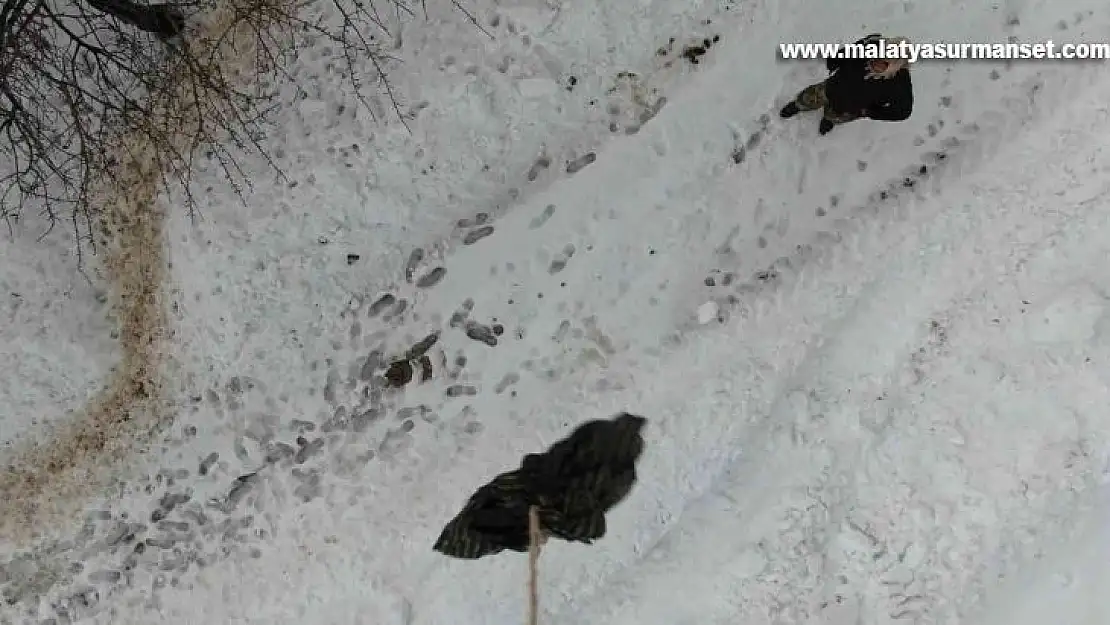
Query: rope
{"x":535,"y":542}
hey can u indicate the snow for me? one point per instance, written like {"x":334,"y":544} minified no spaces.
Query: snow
{"x":54,"y":337}
{"x":1066,"y":587}
{"x":707,"y":312}
{"x":897,"y":416}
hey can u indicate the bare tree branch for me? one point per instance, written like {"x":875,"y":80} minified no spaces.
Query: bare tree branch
{"x":78,"y":76}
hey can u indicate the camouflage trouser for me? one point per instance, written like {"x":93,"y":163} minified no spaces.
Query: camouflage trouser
{"x":813,"y":97}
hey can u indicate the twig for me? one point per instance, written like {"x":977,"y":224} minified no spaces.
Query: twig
{"x":535,"y":542}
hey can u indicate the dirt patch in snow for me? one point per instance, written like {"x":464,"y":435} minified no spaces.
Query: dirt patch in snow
{"x":47,"y":483}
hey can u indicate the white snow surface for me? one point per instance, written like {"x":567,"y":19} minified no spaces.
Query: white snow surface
{"x":897,"y":413}
{"x":55,"y":341}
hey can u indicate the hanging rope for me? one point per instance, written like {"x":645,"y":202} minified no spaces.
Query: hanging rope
{"x":535,"y":542}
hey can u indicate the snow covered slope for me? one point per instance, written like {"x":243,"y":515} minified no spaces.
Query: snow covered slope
{"x":55,"y":343}
{"x":901,"y":401}
{"x":1067,"y":586}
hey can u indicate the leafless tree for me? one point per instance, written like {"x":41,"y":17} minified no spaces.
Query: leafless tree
{"x":81,"y":79}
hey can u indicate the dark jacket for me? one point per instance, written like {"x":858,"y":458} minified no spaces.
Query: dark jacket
{"x":848,"y":91}
{"x":573,"y":485}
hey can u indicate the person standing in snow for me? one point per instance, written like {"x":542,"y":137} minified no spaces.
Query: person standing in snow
{"x":878,"y":89}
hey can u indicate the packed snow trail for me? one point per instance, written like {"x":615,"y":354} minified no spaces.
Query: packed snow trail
{"x":340,"y":531}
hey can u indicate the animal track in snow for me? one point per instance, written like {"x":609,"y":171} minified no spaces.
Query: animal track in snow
{"x":576,"y":165}
{"x":542,"y":218}
{"x":477,"y":234}
{"x":559,"y":263}
{"x":632,"y":104}
{"x":540,"y":165}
